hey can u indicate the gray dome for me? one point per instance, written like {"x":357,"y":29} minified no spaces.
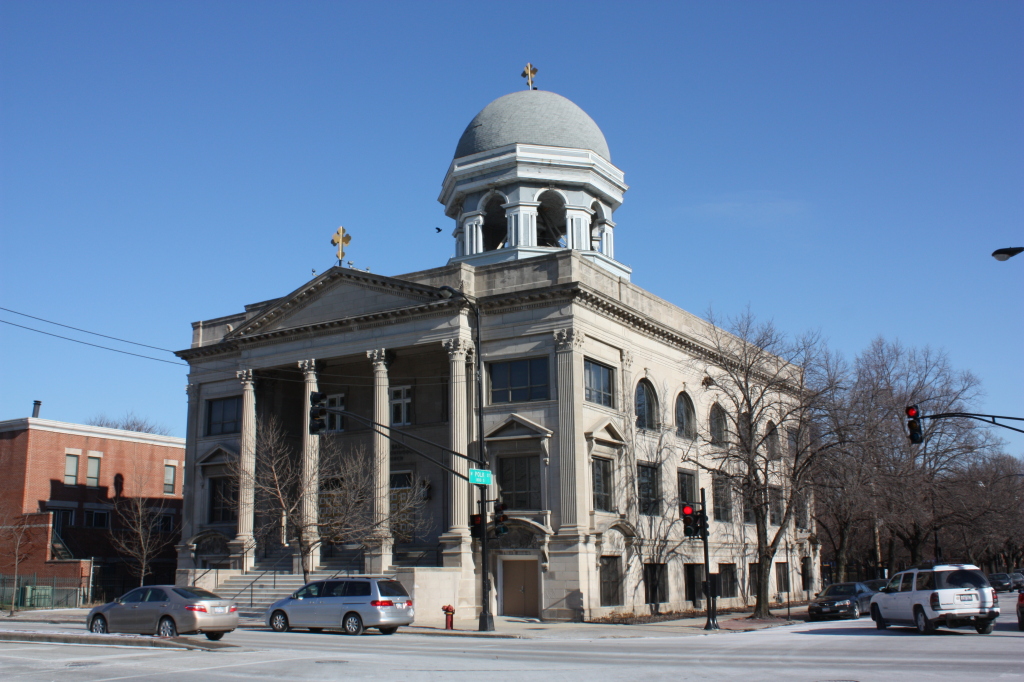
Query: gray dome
{"x":532,"y":117}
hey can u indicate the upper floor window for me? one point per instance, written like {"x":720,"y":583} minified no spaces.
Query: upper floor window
{"x":776,"y":506}
{"x":717,"y":424}
{"x":336,"y":422}
{"x":602,"y":484}
{"x":401,"y":405}
{"x":771,"y":441}
{"x":687,"y":487}
{"x":646,"y":406}
{"x":721,"y":493}
{"x":223,"y":416}
{"x":519,"y":482}
{"x":648,"y":489}
{"x":223,"y":501}
{"x":96,"y":519}
{"x":170,"y":473}
{"x":686,"y":420}
{"x":92,"y":472}
{"x":70,"y":469}
{"x":598,"y":383}
{"x":519,"y":381}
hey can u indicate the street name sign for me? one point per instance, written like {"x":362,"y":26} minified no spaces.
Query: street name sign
{"x":480,"y":477}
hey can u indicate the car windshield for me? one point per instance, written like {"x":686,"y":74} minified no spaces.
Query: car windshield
{"x":998,"y":576}
{"x":962,"y":578}
{"x":194,"y":593}
{"x":391,"y":588}
{"x":844,"y":590}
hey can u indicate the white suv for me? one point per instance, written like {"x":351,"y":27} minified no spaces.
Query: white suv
{"x":951,"y":595}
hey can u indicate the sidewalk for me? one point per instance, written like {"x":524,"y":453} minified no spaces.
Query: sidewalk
{"x":505,"y":626}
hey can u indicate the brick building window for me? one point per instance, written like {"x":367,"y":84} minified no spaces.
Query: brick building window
{"x":170,"y":472}
{"x":92,"y":472}
{"x":96,"y":519}
{"x":70,"y":469}
{"x":223,"y":416}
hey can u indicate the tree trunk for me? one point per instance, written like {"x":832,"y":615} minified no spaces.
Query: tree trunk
{"x":842,"y":553}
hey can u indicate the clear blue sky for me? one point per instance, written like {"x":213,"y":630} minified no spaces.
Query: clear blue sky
{"x":847,"y":167}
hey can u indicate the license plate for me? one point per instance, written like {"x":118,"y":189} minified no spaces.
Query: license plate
{"x":827,"y":608}
{"x":965,"y":597}
{"x":220,"y":609}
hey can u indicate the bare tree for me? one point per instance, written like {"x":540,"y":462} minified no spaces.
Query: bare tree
{"x":16,"y":536}
{"x":143,"y":529}
{"x":763,"y":436}
{"x":130,"y":422}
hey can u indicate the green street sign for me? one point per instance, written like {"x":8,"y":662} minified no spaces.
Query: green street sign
{"x":480,"y":477}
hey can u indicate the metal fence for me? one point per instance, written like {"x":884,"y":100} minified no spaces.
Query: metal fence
{"x":42,"y":592}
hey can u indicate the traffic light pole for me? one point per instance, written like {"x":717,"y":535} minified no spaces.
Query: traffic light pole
{"x":712,"y":587}
{"x":987,"y":418}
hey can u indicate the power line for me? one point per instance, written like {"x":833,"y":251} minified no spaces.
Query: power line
{"x":84,"y":331}
{"x":94,"y":345}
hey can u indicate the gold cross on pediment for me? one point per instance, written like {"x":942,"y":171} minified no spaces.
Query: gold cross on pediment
{"x":528,"y":73}
{"x":341,"y":239}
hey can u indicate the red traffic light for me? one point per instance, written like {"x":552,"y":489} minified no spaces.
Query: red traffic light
{"x":687,"y":510}
{"x":913,"y":412}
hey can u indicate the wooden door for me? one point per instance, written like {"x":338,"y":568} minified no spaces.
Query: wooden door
{"x":519,"y":589}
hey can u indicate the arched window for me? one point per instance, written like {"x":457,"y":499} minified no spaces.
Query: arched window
{"x":551,"y":220}
{"x":717,"y":424}
{"x":771,"y":441}
{"x":495,"y":230}
{"x":646,"y":406}
{"x":686,"y":422}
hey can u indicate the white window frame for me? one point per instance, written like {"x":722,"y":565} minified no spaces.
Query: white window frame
{"x":400,"y":397}
{"x":335,"y":422}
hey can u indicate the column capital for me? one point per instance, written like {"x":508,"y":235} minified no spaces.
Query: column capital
{"x":458,"y":348}
{"x":627,"y":359}
{"x":308,"y":367}
{"x":380,"y":357}
{"x":192,"y":391}
{"x":568,"y":339}
{"x":245,"y":376}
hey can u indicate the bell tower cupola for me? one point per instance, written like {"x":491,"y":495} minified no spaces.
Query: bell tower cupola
{"x":532,"y":174}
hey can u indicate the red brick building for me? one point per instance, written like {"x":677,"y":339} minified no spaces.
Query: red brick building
{"x":61,"y":482}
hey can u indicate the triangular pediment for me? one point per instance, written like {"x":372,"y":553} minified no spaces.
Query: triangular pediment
{"x":517,"y":427}
{"x":338,"y":294}
{"x":606,"y":431}
{"x":218,"y":454}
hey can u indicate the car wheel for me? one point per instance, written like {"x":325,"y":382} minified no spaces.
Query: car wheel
{"x":99,"y":625}
{"x":876,"y":616}
{"x":388,"y":631}
{"x":214,"y":636}
{"x":924,"y":626}
{"x":856,"y":612}
{"x":352,"y":624}
{"x":167,"y":628}
{"x":316,"y":629}
{"x":986,"y":628}
{"x":279,"y":622}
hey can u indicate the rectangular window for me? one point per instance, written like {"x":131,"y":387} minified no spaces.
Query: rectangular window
{"x":92,"y":472}
{"x":722,"y":494}
{"x":63,"y":518}
{"x":336,"y":422}
{"x":687,"y":488}
{"x":519,"y":482}
{"x":598,"y":385}
{"x":782,"y":577}
{"x":748,"y":508}
{"x":800,"y":511}
{"x":170,"y":473}
{"x":223,"y":416}
{"x":729,"y":582}
{"x":519,"y":381}
{"x":223,"y":501}
{"x":602,"y":484}
{"x":96,"y":519}
{"x":776,"y":506}
{"x":805,"y":573}
{"x":611,"y":581}
{"x":793,"y":441}
{"x":755,"y":578}
{"x":401,"y":405}
{"x":655,"y":583}
{"x":165,"y":523}
{"x":70,"y":469}
{"x":648,"y":489}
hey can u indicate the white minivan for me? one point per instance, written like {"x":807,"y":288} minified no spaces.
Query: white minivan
{"x":948,"y":595}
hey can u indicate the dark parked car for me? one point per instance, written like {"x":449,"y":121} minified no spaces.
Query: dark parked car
{"x":166,"y":610}
{"x":876,"y":585}
{"x":1001,"y":582}
{"x":842,"y":600}
{"x":1018,"y":581}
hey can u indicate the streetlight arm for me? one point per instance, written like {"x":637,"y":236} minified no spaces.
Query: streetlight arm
{"x":987,"y":418}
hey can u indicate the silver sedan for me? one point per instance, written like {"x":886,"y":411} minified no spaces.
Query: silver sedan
{"x":166,"y":610}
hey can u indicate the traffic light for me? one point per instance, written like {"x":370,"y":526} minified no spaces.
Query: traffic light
{"x":500,"y":518}
{"x":690,"y":526}
{"x":476,"y":526}
{"x":702,"y":522}
{"x":914,"y":425}
{"x":317,"y":412}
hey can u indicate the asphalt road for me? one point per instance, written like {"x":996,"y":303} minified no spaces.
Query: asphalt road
{"x":844,"y":650}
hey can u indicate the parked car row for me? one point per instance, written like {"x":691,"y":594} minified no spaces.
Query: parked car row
{"x":1005,"y":582}
{"x":348,"y":604}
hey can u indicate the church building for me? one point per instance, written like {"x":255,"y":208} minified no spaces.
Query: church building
{"x":589,"y":395}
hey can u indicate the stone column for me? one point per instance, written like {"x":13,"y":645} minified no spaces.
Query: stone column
{"x":522,"y":223}
{"x":243,"y":544}
{"x":379,"y":547}
{"x":577,"y":227}
{"x":568,"y":344}
{"x":310,"y":511}
{"x":457,"y":548}
{"x":473,"y":237}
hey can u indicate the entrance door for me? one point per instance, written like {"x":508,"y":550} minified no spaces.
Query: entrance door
{"x":519,"y":588}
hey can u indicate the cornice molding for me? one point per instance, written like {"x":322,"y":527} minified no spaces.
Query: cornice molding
{"x":35,"y":424}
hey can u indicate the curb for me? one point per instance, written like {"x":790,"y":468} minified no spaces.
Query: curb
{"x":175,"y":643}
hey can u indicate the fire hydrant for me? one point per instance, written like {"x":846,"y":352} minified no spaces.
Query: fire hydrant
{"x":449,"y":616}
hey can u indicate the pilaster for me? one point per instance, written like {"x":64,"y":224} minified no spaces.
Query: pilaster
{"x":568,"y":347}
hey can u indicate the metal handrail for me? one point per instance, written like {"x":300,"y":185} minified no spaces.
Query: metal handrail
{"x":251,"y":583}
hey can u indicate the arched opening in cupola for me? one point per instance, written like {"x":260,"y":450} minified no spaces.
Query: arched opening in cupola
{"x":495,"y":230}
{"x":551,"y":220}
